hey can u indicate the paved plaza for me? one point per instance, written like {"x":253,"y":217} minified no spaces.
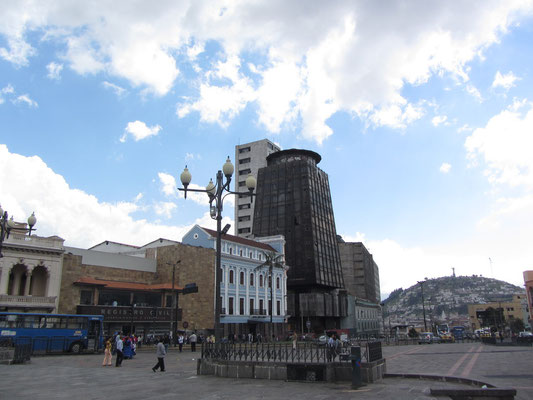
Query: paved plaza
{"x":83,"y":377}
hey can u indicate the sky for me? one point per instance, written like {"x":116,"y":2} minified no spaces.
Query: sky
{"x":422,"y":112}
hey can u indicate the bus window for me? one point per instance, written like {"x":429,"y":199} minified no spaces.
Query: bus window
{"x":30,"y":321}
{"x":77,"y":323}
{"x":56,"y":323}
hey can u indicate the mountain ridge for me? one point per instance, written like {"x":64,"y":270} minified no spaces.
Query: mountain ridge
{"x":446,"y":298}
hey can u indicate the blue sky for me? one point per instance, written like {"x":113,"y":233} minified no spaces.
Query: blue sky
{"x":422,"y":113}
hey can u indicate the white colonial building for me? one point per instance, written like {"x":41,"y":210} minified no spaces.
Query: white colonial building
{"x":30,"y":273}
{"x":245,"y":290}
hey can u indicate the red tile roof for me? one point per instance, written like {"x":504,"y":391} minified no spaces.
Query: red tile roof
{"x":87,"y":280}
{"x":240,"y":240}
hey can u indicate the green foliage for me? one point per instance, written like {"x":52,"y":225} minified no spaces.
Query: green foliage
{"x":517,"y":325}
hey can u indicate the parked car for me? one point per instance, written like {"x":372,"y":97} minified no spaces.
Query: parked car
{"x":322,"y":340}
{"x":525,"y":334}
{"x":447,"y":338}
{"x":426,"y":338}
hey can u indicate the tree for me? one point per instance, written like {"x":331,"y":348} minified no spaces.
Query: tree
{"x":517,"y":325}
{"x":413,"y":333}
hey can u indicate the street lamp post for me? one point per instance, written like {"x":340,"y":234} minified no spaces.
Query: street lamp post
{"x":216,"y":193}
{"x":8,"y":225}
{"x":421,"y":283}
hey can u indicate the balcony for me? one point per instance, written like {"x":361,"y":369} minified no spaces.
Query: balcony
{"x":11,"y":301}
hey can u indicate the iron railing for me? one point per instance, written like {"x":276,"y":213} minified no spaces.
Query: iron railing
{"x":285,"y":352}
{"x":22,"y":349}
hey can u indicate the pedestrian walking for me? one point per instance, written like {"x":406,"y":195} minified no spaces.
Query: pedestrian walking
{"x":294,"y":340}
{"x":181,"y":339}
{"x":160,"y":353}
{"x":107,"y":353}
{"x":192,"y":340}
{"x":120,"y":354}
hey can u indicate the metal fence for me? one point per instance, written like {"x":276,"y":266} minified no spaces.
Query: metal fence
{"x":285,"y":353}
{"x":22,"y":351}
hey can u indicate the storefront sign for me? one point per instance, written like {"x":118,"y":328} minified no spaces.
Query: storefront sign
{"x":123,"y":314}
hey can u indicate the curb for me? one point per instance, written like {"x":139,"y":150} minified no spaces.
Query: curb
{"x":441,"y":378}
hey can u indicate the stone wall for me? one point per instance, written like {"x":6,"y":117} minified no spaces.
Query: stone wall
{"x":332,"y":372}
{"x":197,"y":266}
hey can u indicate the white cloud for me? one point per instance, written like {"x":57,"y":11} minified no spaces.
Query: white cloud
{"x":505,"y":146}
{"x":465,"y":128}
{"x":168,"y":183}
{"x":119,"y":91}
{"x":506,"y":81}
{"x":24,"y":98}
{"x":220,"y":103}
{"x":439,"y":119}
{"x":474,"y":92}
{"x":305,"y":74}
{"x":165,"y":208}
{"x":445,"y":168}
{"x":54,"y":70}
{"x":27,"y":184}
{"x":139,"y":131}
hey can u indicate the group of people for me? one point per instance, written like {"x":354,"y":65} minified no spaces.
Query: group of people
{"x":122,"y":346}
{"x":125,"y":348}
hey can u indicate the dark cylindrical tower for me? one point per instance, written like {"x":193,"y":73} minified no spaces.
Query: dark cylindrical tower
{"x":293,"y":199}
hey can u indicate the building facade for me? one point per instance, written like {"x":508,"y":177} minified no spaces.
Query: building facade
{"x":505,"y":312}
{"x":248,"y":292}
{"x":293,"y":199}
{"x":528,"y":282}
{"x":360,"y":271}
{"x":249,"y":158}
{"x":135,"y":292}
{"x":30,"y":273}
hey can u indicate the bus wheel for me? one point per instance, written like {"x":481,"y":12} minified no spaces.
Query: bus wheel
{"x":75,"y":348}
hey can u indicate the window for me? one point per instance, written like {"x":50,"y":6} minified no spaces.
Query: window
{"x":242,"y":183}
{"x":244,"y":160}
{"x":241,"y":306}
{"x":251,"y":311}
{"x":244,"y":150}
{"x":240,"y":253}
{"x":231,"y":278}
{"x":252,"y":279}
{"x":244,"y":230}
{"x":230,"y":306}
{"x":244,"y":206}
{"x":241,"y":278}
{"x":277,"y":282}
{"x":261,"y":306}
{"x":86,"y":297}
{"x":278,"y":307}
{"x":260,"y":280}
{"x":231,"y":250}
{"x":168,"y":302}
{"x":245,"y":171}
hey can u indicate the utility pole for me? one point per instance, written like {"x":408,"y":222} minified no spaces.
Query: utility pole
{"x":421,"y":283}
{"x":174,"y":317}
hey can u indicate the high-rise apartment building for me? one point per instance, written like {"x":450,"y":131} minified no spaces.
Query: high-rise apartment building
{"x":360,"y":271}
{"x":249,"y":158}
{"x":293,"y":199}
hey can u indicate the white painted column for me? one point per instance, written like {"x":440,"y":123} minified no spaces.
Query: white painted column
{"x":247,"y":298}
{"x":226,"y":283}
{"x":237,"y":284}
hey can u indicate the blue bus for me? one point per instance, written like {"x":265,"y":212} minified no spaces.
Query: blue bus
{"x":53,"y":333}
{"x":458,"y":332}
